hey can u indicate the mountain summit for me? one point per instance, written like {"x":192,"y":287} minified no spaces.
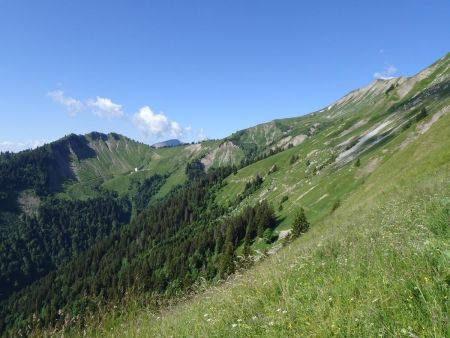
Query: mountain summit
{"x":168,"y":143}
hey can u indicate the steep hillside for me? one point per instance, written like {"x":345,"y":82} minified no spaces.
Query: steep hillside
{"x":116,"y":163}
{"x":367,"y":124}
{"x":376,"y":260}
{"x":377,"y":109}
{"x":377,"y":266}
{"x":373,"y":174}
{"x":201,"y":211}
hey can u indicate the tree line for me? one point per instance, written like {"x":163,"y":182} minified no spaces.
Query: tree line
{"x":164,"y":249}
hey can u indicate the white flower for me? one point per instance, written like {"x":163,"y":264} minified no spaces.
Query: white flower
{"x":233,"y":325}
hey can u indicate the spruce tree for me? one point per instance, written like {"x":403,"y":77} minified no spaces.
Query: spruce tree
{"x":301,"y":224}
{"x":227,"y":266}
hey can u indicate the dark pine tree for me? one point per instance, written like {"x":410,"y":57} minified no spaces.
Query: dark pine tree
{"x":301,"y":224}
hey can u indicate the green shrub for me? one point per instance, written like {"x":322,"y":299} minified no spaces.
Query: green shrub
{"x":301,"y":224}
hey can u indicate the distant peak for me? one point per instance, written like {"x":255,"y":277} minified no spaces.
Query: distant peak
{"x":168,"y":143}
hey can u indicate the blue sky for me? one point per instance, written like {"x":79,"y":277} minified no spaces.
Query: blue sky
{"x":154,"y":70}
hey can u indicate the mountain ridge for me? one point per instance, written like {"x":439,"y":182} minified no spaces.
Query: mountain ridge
{"x":212,"y":190}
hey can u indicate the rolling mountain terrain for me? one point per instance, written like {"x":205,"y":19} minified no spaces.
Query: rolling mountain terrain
{"x":99,"y":233}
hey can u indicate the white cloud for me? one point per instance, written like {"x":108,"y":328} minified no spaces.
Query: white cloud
{"x":386,"y":74}
{"x":105,"y":108}
{"x":151,"y":124}
{"x":101,"y":106}
{"x":16,"y":146}
{"x":72,"y":105}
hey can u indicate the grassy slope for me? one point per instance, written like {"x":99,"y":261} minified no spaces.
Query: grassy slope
{"x":361,"y":231}
{"x":318,"y":191}
{"x":378,"y":266}
{"x":116,"y":159}
{"x":114,"y":166}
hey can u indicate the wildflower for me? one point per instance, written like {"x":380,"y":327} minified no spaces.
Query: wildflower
{"x":271,"y":323}
{"x":426,"y":279}
{"x":278,"y":310}
{"x":284,"y":311}
{"x":233,"y":325}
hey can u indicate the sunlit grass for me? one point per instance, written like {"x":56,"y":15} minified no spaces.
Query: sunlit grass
{"x":378,"y":266}
{"x":365,"y":273}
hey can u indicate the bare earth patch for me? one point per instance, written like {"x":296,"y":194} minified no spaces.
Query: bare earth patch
{"x":294,"y":140}
{"x":224,"y":154}
{"x":354,"y":127}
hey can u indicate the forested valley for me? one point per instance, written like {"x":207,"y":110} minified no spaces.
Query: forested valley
{"x":72,"y":256}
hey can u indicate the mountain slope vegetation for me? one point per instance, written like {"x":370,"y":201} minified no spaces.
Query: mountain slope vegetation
{"x":378,"y":265}
{"x":370,"y":171}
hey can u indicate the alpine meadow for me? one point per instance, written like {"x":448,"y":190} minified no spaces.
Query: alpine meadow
{"x":330,"y":223}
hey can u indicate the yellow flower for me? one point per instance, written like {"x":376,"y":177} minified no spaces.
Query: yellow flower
{"x":426,"y":279}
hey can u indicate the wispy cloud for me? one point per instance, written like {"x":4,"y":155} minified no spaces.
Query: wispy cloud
{"x":387,"y":73}
{"x":73,"y":106}
{"x":145,"y":120}
{"x":100,"y":106}
{"x":156,"y":125}
{"x":15,"y":146}
{"x":105,"y":108}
